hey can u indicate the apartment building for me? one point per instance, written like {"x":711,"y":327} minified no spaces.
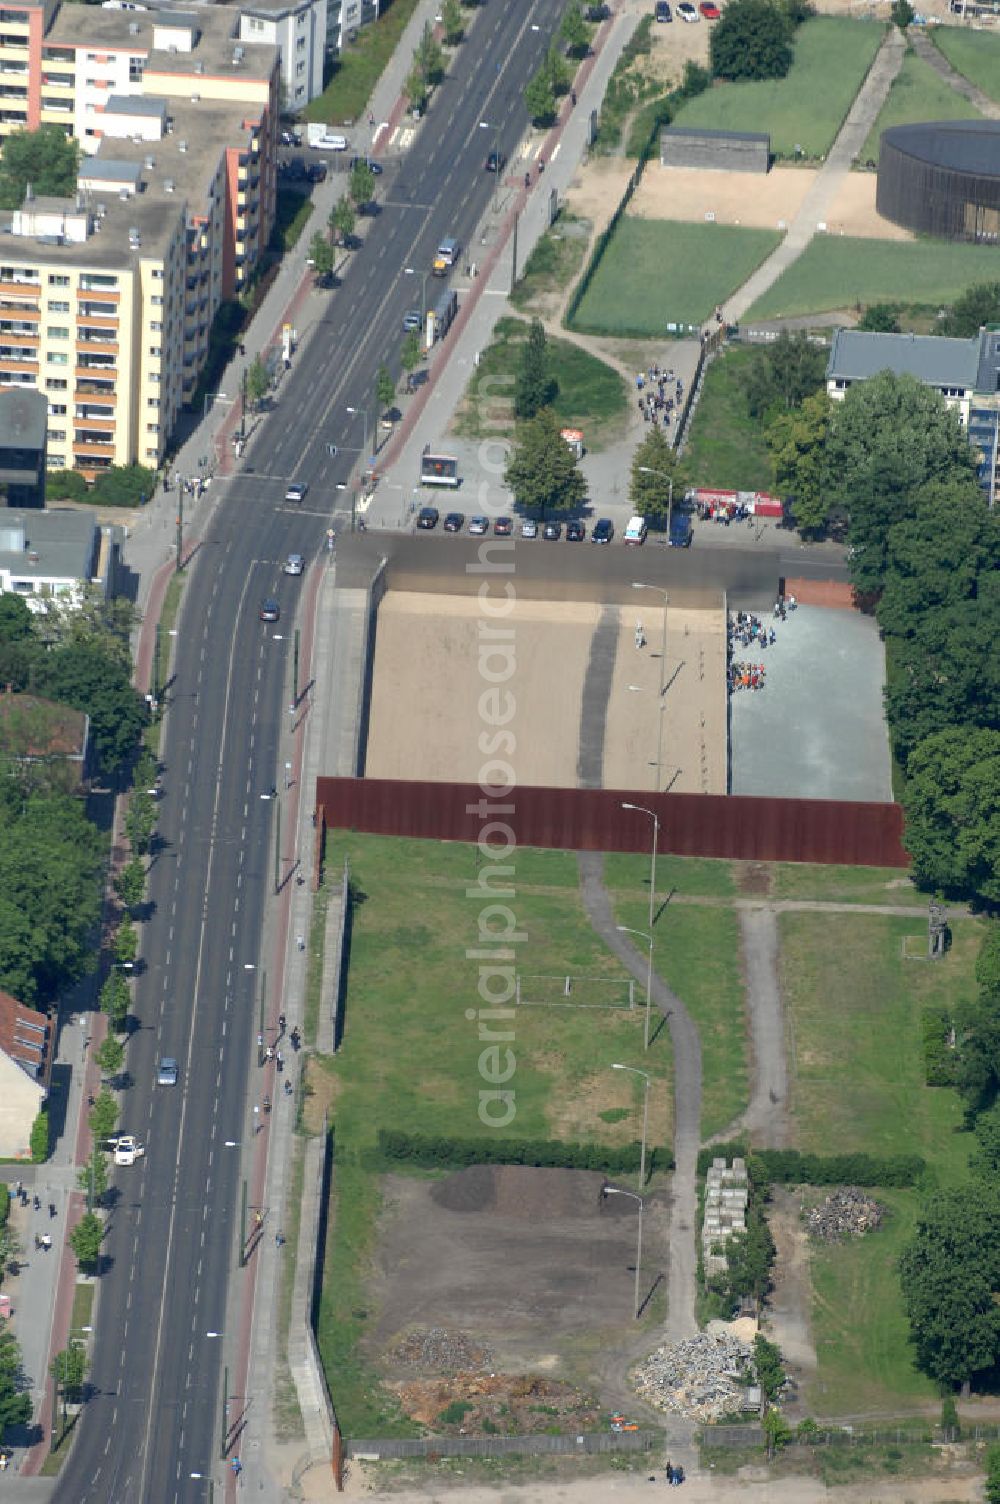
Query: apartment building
{"x":107,"y":299}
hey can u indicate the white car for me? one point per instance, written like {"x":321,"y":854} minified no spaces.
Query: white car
{"x":294,"y":564}
{"x":330,"y":143}
{"x":529,"y":529}
{"x":127,"y":1149}
{"x":296,"y":491}
{"x":687,"y":12}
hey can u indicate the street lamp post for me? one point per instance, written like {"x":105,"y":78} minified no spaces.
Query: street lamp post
{"x":645,"y":1116}
{"x":641,"y":585}
{"x":613,"y":1190}
{"x":648,"y":470}
{"x":411,"y":271}
{"x":640,"y":809}
{"x":363,"y":413}
{"x":624,"y":928}
{"x":484,"y":125}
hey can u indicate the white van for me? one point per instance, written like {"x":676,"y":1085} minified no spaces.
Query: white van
{"x":636,"y":531}
{"x":447,"y":255}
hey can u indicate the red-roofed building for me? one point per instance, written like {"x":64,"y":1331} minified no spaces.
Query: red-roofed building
{"x":26,"y":1041}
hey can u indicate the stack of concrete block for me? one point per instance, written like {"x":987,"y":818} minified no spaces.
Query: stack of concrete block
{"x":726,"y":1195}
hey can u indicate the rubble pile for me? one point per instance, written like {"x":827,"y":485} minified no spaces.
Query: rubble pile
{"x":703,"y":1378}
{"x":847,"y":1213}
{"x":442,"y":1352}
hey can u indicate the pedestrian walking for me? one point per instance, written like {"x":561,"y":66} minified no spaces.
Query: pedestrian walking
{"x":281,"y":1023}
{"x":279,"y":1239}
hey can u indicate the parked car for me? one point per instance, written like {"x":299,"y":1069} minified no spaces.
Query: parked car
{"x":575,"y":532}
{"x":603,"y":530}
{"x":663,"y":12}
{"x":427,"y":518}
{"x":681,"y":531}
{"x":552,"y":531}
{"x":412,"y":321}
{"x":478,"y":526}
{"x":635,"y":533}
{"x":296,"y":491}
{"x":454,"y":522}
{"x":269,"y":610}
{"x":503,"y":527}
{"x":316,"y":172}
{"x":374,"y":167}
{"x":686,"y":11}
{"x":598,"y":12}
{"x":709,"y":11}
{"x":127,"y":1148}
{"x":496,"y":162}
{"x":294,"y":564}
{"x":529,"y":529}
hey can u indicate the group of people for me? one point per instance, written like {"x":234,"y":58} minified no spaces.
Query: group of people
{"x":658,"y":391}
{"x":673,"y":1475}
{"x":747,"y":631}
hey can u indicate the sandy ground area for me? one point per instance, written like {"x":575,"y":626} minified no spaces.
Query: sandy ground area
{"x":768,"y":201}
{"x":693,"y":755}
{"x":430,"y":674}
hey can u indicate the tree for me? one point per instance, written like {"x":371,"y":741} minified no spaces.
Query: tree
{"x":975,"y":309}
{"x":540,"y":99}
{"x":574,"y":30}
{"x":992,"y":1494}
{"x":115,"y":999}
{"x":82,"y":674}
{"x":93,"y":1177}
{"x":890,"y":436}
{"x":140,"y":819}
{"x":321,"y":257}
{"x":85,"y":1240}
{"x":126,"y":944}
{"x":39,"y":1138}
{"x":416,"y":89}
{"x":16,"y":621}
{"x":124,"y":486}
{"x":797,"y":441}
{"x":935,"y":558}
{"x":429,"y":56}
{"x":110,"y":1056}
{"x":130,"y":883}
{"x":770,"y":1371}
{"x":946,"y":673}
{"x":752,"y":40}
{"x":879,"y":318}
{"x":656,"y":479}
{"x":65,"y":485}
{"x":258,"y":383}
{"x":784,"y":374}
{"x":452,"y":22}
{"x":342,"y":220}
{"x":411,"y":352}
{"x":15,"y":1403}
{"x":542,"y":470}
{"x":902,"y":13}
{"x":46,"y":158}
{"x":949,"y":1271}
{"x":535,"y":386}
{"x":69,"y":1369}
{"x":557,"y":71}
{"x":361,"y":185}
{"x":777,"y":1431}
{"x":103,"y":1117}
{"x":953,"y":812}
{"x":385,"y":387}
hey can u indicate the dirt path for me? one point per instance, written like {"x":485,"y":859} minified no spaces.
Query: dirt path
{"x":682,"y":1265}
{"x":830,"y":179}
{"x":766,"y":1117}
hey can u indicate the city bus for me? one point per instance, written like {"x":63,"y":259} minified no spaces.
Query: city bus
{"x":438,"y":469}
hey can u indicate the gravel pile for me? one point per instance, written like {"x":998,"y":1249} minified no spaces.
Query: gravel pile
{"x":442,"y":1352}
{"x":702,"y":1378}
{"x":844,"y":1214}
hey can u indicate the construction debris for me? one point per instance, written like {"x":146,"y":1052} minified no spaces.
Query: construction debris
{"x":726,"y":1196}
{"x":847,"y":1213}
{"x":475,"y":1404}
{"x":439,"y":1351}
{"x":706,"y":1377}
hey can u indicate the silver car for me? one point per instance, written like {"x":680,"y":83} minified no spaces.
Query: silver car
{"x":294,"y":564}
{"x":529,"y":529}
{"x":166,"y":1075}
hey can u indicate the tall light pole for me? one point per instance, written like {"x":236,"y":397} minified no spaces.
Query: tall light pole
{"x":648,"y":470}
{"x":484,"y":125}
{"x":612,"y":1190}
{"x":411,"y":271}
{"x":654,"y":762}
{"x":649,"y":970}
{"x":641,"y":585}
{"x":645,"y":1116}
{"x":640,"y":809}
{"x":361,"y":412}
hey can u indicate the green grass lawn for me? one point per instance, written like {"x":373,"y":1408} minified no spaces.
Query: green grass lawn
{"x":629,"y":875}
{"x":844,"y":272}
{"x":726,"y":446}
{"x":554,"y":263}
{"x":655,"y":273}
{"x":808,"y":107}
{"x":359,"y":67}
{"x":591,"y":395}
{"x":292,"y":211}
{"x":884,"y":885}
{"x":917,"y":94}
{"x":859,"y":1325}
{"x":854,"y":1007}
{"x":974,"y":54}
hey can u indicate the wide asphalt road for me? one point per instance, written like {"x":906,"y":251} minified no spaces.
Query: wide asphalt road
{"x":152,"y":1429}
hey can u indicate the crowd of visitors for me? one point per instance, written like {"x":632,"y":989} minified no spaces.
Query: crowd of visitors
{"x":659,"y":390}
{"x":746,"y":632}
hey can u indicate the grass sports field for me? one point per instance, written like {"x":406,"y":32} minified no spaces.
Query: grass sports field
{"x":841,"y":272}
{"x":657,"y":273}
{"x":805,"y":109}
{"x":974,"y":54}
{"x":726,"y":446}
{"x":917,"y":94}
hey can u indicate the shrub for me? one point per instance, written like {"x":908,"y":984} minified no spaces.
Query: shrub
{"x":792,"y":1167}
{"x":39,"y":1140}
{"x":939,"y":1062}
{"x":430,"y":1151}
{"x":4,"y":1203}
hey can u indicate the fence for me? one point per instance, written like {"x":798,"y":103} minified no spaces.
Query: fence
{"x":719,"y":1437}
{"x":600,"y":246}
{"x":592,"y":1443}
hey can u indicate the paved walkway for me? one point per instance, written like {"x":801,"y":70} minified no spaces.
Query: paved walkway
{"x":818,"y":201}
{"x":925,"y":48}
{"x":766,"y":1117}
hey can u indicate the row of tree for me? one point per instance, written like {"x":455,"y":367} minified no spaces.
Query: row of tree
{"x":551,"y":82}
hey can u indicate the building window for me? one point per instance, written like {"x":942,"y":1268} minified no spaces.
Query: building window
{"x":155,"y":351}
{"x":158,"y":273}
{"x":152,"y":401}
{"x":57,"y":280}
{"x":57,"y":306}
{"x":152,"y":454}
{"x":156,"y":301}
{"x":57,"y":435}
{"x":300,"y":68}
{"x":57,"y":409}
{"x":57,"y":331}
{"x":57,"y":358}
{"x":56,"y":384}
{"x":154,"y":377}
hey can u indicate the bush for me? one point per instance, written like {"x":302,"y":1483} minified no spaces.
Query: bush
{"x":430,"y":1151}
{"x":124,"y":486}
{"x":939,"y":1062}
{"x":792,"y":1167}
{"x":65,"y":485}
{"x":39,"y":1141}
{"x":4,"y":1203}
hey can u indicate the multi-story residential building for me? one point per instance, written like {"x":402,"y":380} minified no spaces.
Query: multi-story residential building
{"x":107,"y":300}
{"x":298,"y":29}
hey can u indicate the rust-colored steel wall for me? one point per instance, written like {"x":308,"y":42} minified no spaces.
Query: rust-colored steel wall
{"x":763,"y":830}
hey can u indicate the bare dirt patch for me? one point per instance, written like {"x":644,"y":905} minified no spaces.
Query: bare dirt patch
{"x":475,"y":1404}
{"x":529,"y":1264}
{"x":791,"y":1299}
{"x":319,"y":1094}
{"x":754,"y":879}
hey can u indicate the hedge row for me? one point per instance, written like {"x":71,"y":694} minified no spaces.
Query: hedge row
{"x":939,"y":1057}
{"x":453,"y":1153}
{"x":791,"y":1167}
